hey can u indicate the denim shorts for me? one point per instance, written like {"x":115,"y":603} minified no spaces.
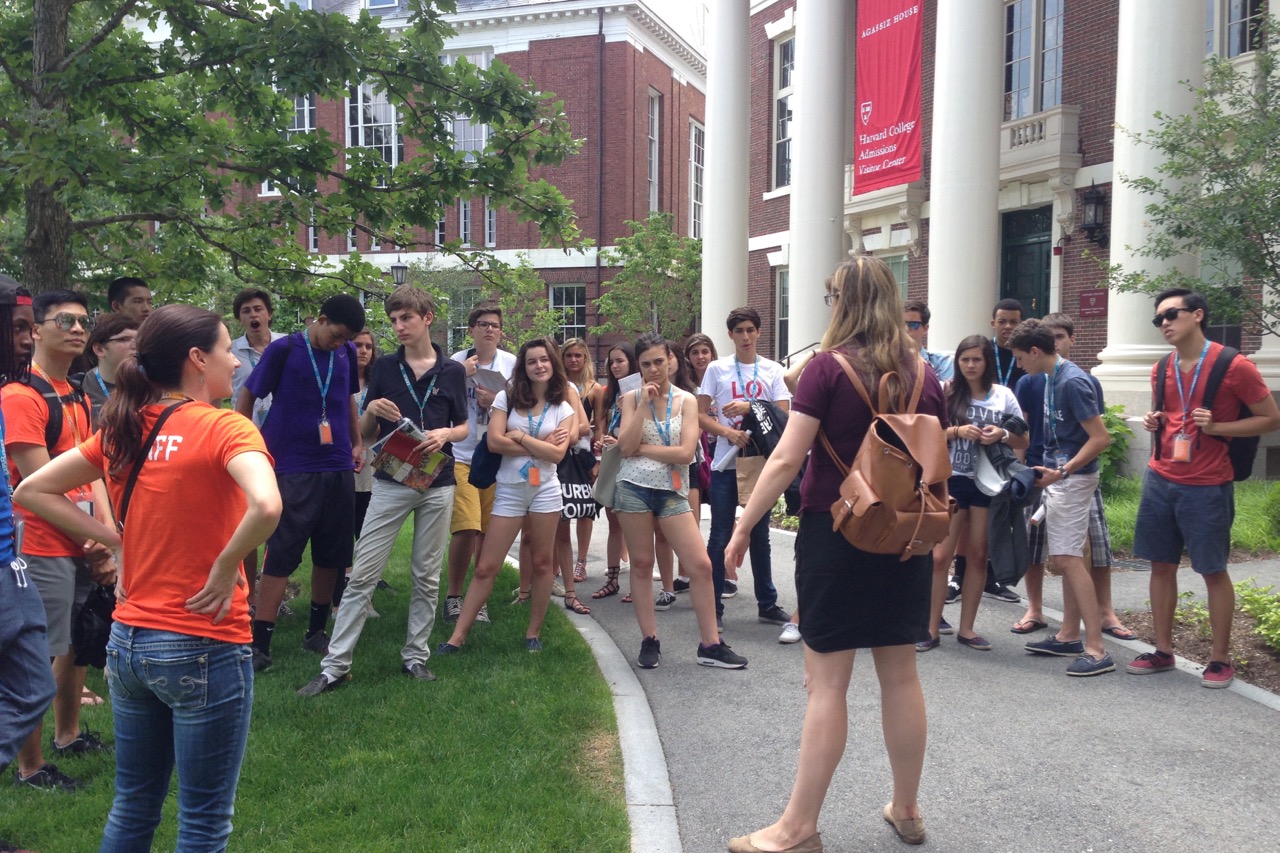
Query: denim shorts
{"x":966,"y":492}
{"x":663,"y":503}
{"x":1172,"y":516}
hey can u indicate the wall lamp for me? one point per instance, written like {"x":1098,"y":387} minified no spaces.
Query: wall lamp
{"x":1093,"y":206}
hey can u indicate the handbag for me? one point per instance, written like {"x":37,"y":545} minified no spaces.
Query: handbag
{"x":607,"y":477}
{"x":574,"y":473}
{"x":484,"y":465}
{"x":748,"y":470}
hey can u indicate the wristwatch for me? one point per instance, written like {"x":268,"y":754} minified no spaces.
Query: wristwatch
{"x":1062,"y":469}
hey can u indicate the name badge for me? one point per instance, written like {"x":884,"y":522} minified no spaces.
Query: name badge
{"x":1181,"y":448}
{"x":326,"y":432}
{"x":675,"y":479}
{"x":1061,"y":459}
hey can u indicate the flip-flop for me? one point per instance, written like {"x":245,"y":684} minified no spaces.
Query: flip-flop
{"x":1120,"y":632}
{"x":1028,"y":626}
{"x":88,"y":697}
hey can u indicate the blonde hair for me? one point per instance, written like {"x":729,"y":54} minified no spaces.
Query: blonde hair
{"x":588,"y":373}
{"x":866,"y":322}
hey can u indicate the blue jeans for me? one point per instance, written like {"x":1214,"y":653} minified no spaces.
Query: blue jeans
{"x":724,"y":506}
{"x":181,"y":700}
{"x":26,"y":679}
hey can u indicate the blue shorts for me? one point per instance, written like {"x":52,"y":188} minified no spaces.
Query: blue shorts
{"x":663,"y":503}
{"x":966,"y":492}
{"x":1172,"y":516}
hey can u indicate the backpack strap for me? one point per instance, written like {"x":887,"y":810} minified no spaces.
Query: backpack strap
{"x":1217,"y":373}
{"x":55,"y":401}
{"x":1157,"y":396}
{"x":847,"y":367}
{"x":142,"y":457}
{"x":910,"y":406}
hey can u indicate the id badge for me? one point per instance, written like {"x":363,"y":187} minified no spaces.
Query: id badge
{"x":675,"y":479}
{"x":326,"y":432}
{"x":535,"y":475}
{"x":1182,"y":448}
{"x":1062,"y":459}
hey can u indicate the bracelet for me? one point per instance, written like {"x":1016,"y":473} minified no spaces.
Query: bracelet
{"x":1005,"y":439}
{"x":521,"y":441}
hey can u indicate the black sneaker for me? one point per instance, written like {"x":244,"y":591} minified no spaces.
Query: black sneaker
{"x":650,"y":653}
{"x":1054,"y":646}
{"x":322,"y":684}
{"x":775,"y":615}
{"x":720,"y":655}
{"x":418,"y":670}
{"x":86,"y":741}
{"x":47,"y":778}
{"x":452,"y":608}
{"x":386,"y":586}
{"x":1087,"y":665}
{"x":730,"y":589}
{"x":681,"y":585}
{"x":1000,"y":592}
{"x":261,"y":660}
{"x":953,"y":592}
{"x":317,"y":642}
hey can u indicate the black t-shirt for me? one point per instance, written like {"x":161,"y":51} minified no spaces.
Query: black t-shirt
{"x":446,"y":406}
{"x":1006,"y":377}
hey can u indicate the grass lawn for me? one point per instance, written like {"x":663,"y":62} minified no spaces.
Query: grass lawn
{"x":508,"y":751}
{"x":1251,"y":532}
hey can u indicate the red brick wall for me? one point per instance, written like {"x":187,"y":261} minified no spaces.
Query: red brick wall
{"x":772,"y":216}
{"x":1089,"y":43}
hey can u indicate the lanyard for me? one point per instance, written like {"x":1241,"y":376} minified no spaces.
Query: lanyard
{"x":361,"y":399}
{"x":324,"y":386}
{"x":421,"y":404}
{"x":4,"y":463}
{"x":755,"y":375}
{"x":534,"y":430}
{"x":97,"y":374}
{"x":1049,"y":393}
{"x":1002,"y":374}
{"x":1185,"y":396}
{"x":615,"y":416}
{"x":664,"y":429}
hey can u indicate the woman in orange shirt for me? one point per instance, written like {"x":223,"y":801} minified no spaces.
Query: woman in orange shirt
{"x":179,"y":662}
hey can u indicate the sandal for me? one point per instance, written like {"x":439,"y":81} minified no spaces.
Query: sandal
{"x":610,"y":584}
{"x":627,"y":599}
{"x":580,"y":571}
{"x":571,"y":602}
{"x":522,"y":596}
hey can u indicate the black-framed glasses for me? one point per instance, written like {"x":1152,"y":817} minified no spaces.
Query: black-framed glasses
{"x":64,"y":320}
{"x":1168,"y":315}
{"x":488,"y":326}
{"x":831,"y":299}
{"x":133,"y":339}
{"x":914,"y":325}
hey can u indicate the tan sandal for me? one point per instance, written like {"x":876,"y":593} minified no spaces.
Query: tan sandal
{"x":571,"y":602}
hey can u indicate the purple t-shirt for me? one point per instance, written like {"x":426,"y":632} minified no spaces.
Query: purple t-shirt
{"x":292,"y":427}
{"x":827,"y":394}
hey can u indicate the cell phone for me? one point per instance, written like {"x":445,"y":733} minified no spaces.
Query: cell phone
{"x":471,"y":352}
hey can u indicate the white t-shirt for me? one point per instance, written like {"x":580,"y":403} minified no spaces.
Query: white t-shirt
{"x":477,"y":420}
{"x":981,"y":413}
{"x":509,"y":472}
{"x":248,"y":358}
{"x":726,"y":380}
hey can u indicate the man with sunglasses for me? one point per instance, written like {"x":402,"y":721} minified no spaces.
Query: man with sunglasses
{"x":1188,"y":498}
{"x":63,"y":569}
{"x":916,"y":314}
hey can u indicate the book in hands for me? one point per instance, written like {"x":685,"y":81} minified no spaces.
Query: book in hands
{"x":395,"y":456}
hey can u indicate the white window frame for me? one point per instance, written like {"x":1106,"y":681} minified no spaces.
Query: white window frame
{"x":382,"y":4}
{"x":368,"y":111}
{"x":697,"y":177}
{"x":1229,"y":26}
{"x":469,"y":137}
{"x":781,"y":129}
{"x":1037,"y":43}
{"x":898,"y":263}
{"x":490,"y":224}
{"x":374,"y":245}
{"x":556,"y":297}
{"x":352,"y":245}
{"x":313,"y":237}
{"x":464,"y":300}
{"x":441,"y":231}
{"x":782,"y":325}
{"x":304,"y":121}
{"x":653,"y":147}
{"x":464,"y":221}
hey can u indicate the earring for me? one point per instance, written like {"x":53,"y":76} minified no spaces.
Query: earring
{"x":202,"y":379}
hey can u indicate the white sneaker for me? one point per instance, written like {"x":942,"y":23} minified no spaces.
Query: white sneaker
{"x":483,"y":615}
{"x":790,"y":634}
{"x":557,"y":589}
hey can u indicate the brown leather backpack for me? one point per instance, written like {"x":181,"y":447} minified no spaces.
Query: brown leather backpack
{"x":894,"y":498}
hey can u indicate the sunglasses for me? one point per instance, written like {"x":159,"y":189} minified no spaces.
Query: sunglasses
{"x":914,"y":325}
{"x":1168,"y":316}
{"x":831,"y":299}
{"x":65,"y":320}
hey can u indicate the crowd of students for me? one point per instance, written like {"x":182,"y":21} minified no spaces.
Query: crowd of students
{"x":664,"y":431}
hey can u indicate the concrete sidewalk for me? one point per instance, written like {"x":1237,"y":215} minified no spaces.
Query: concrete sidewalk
{"x":1020,"y":756}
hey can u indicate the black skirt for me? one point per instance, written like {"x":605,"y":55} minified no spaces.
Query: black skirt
{"x":850,"y":599}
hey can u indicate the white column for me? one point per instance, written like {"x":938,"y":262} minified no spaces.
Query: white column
{"x":817,"y":164}
{"x":724,"y":241}
{"x":964,"y":178}
{"x":1147,"y":81}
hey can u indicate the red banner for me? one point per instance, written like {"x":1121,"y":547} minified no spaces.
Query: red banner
{"x":887,"y":148}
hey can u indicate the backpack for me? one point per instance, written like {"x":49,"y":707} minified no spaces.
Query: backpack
{"x":1241,"y":451}
{"x":55,"y":402}
{"x":894,"y":497}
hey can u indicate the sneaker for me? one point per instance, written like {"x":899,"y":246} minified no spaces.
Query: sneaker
{"x":261,"y":660}
{"x":681,"y":585}
{"x":47,"y":778}
{"x":317,"y":642}
{"x":775,"y":615}
{"x":953,"y":592}
{"x":448,"y":649}
{"x":664,"y":600}
{"x":790,"y":634}
{"x":452,"y":608}
{"x":1149,"y":662}
{"x":928,"y":645}
{"x":1000,"y":592}
{"x":1054,"y":646}
{"x":945,"y":627}
{"x":982,"y":644}
{"x":322,"y":684}
{"x":85,"y":741}
{"x":532,"y":644}
{"x":418,"y":670}
{"x":650,"y":653}
{"x":720,"y":655}
{"x":285,"y":610}
{"x":730,"y":589}
{"x":1218,"y":675}
{"x":483,"y":615}
{"x":1087,"y":665}
{"x":386,"y":586}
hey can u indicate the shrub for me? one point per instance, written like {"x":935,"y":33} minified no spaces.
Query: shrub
{"x":1111,"y":462}
{"x":1264,"y":606}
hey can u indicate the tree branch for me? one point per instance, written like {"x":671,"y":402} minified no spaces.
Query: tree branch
{"x":17,"y":81}
{"x":108,"y":27}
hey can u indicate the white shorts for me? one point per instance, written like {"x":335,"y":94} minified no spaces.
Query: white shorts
{"x":1066,"y":514}
{"x":514,"y":500}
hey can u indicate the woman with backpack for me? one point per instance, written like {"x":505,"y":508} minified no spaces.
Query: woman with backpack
{"x":851,"y":599}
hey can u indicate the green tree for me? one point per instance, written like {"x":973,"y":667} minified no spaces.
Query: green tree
{"x":1216,"y":198}
{"x":136,"y":134}
{"x":660,"y":283}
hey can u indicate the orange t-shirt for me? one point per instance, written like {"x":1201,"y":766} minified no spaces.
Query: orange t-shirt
{"x":26,"y":413}
{"x":184,"y":509}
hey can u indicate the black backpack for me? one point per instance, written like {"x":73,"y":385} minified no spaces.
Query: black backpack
{"x":55,"y":402}
{"x":1241,"y":451}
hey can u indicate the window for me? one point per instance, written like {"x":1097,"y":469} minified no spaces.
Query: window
{"x":351,"y":241}
{"x":783,"y":77}
{"x":490,"y":224}
{"x":1032,"y":57}
{"x":372,"y":123}
{"x":440,"y":235}
{"x":783,"y":279}
{"x":302,"y":4}
{"x":374,"y":245}
{"x":464,"y":221}
{"x":655,"y":110}
{"x":1225,"y":273}
{"x":1231,"y":26}
{"x":697,"y":162}
{"x":898,"y":265}
{"x":469,"y":136}
{"x":303,"y":121}
{"x":313,"y":237}
{"x":459,"y":307}
{"x":384,"y":4}
{"x":571,"y":299}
